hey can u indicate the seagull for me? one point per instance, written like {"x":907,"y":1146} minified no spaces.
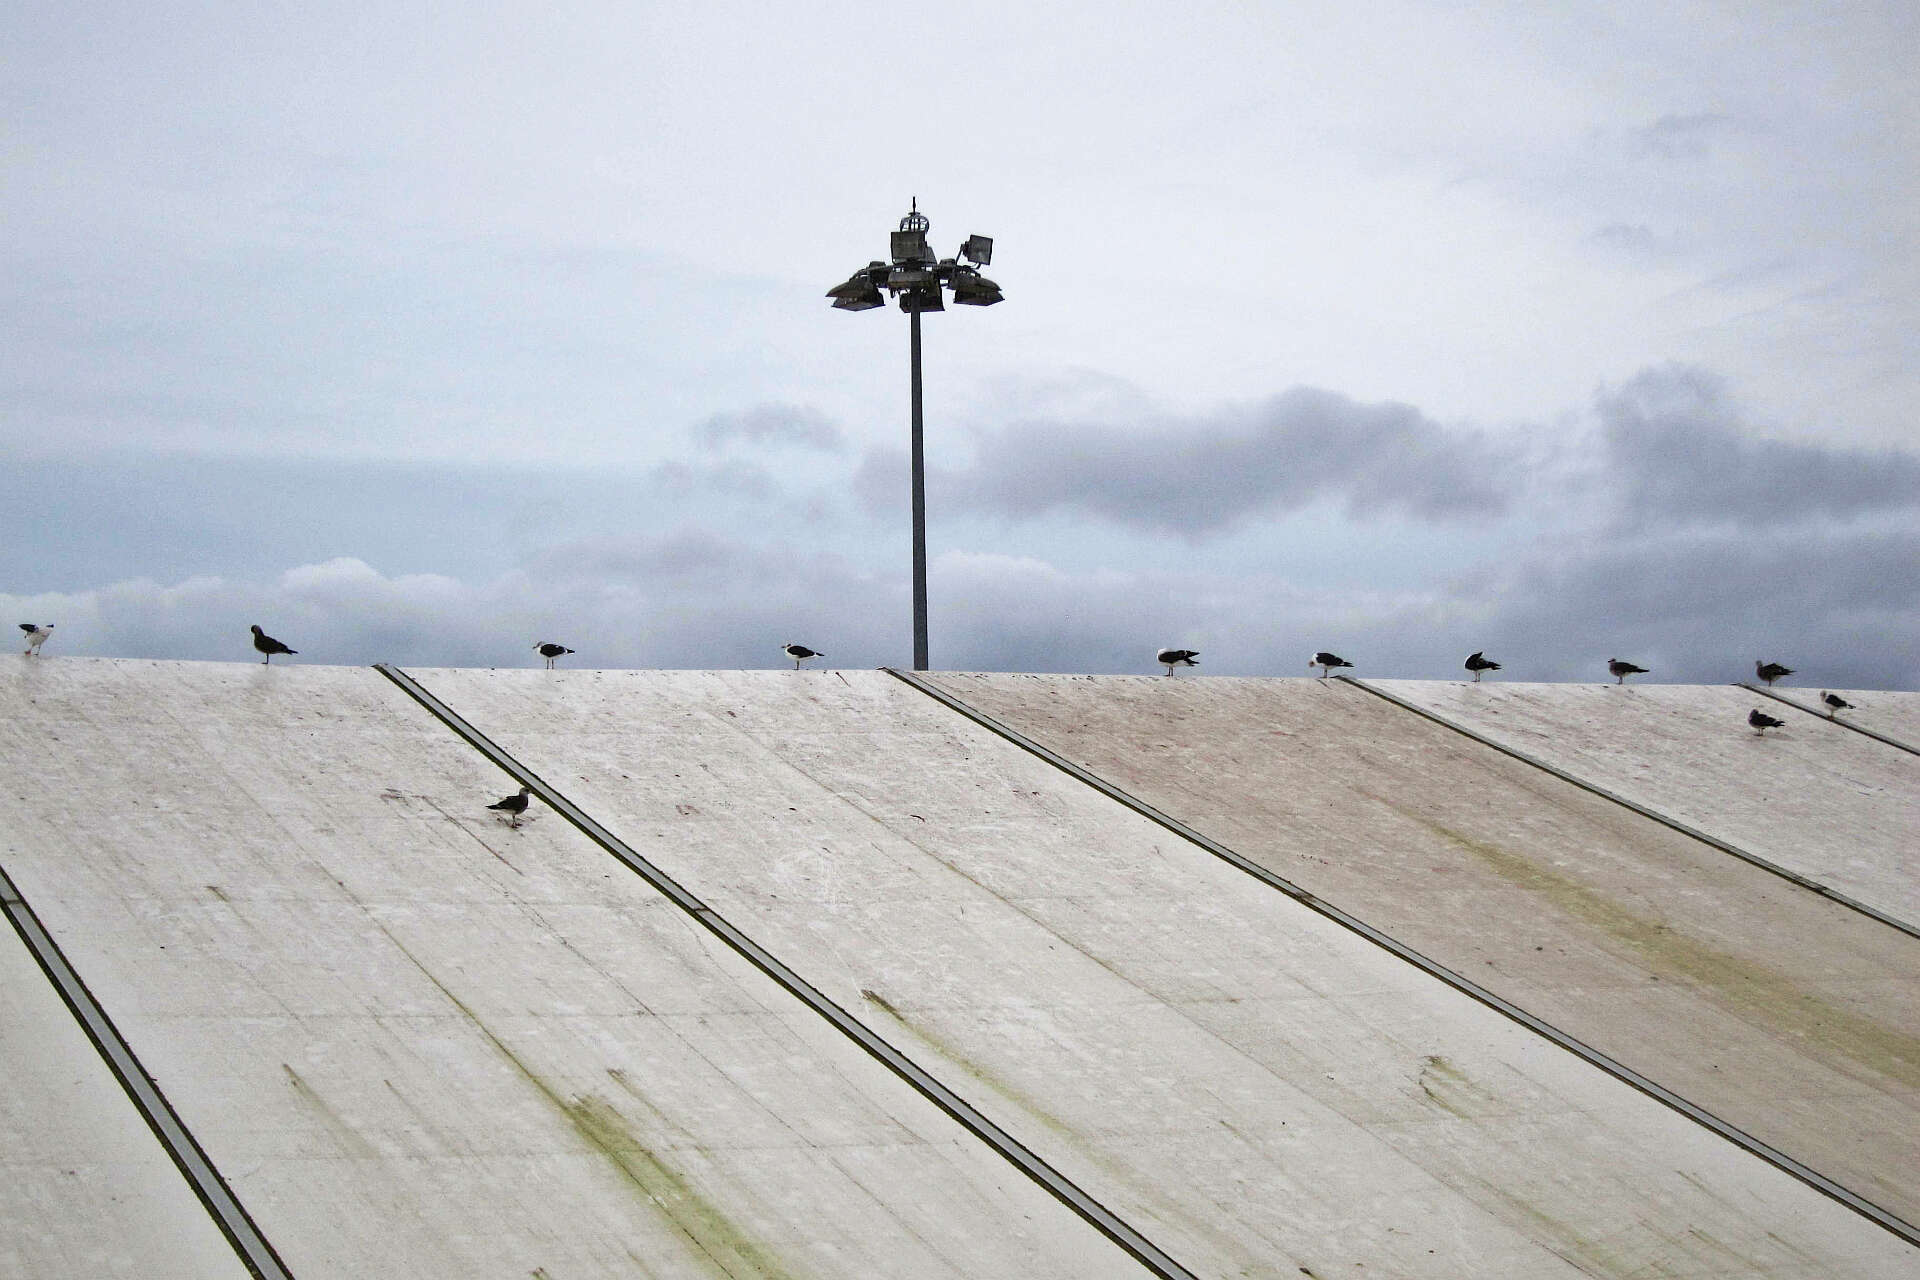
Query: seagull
{"x":1171,"y":658}
{"x":1616,"y":667}
{"x":549,"y":650}
{"x":799,"y":653}
{"x":1834,"y":703}
{"x":1770,"y":671}
{"x":1327,"y":662}
{"x":1762,"y":722}
{"x":268,"y":645}
{"x":36,"y":636}
{"x":513,"y":805}
{"x":1477,"y":662}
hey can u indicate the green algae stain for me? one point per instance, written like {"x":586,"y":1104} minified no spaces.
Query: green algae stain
{"x":729,"y":1250}
{"x":1747,"y":988}
{"x":718,"y":1242}
{"x":1449,"y":1088}
{"x":349,"y":1138}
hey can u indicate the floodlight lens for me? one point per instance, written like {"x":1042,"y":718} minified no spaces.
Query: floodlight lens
{"x":978,"y":250}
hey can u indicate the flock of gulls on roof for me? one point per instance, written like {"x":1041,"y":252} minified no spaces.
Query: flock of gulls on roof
{"x":514,"y":807}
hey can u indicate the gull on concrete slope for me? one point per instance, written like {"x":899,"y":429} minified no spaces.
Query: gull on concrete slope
{"x":1171,"y":658}
{"x":268,"y":645}
{"x":1834,"y":703}
{"x":513,"y":805}
{"x":1770,"y":671}
{"x":1621,"y":670}
{"x":1762,"y":722}
{"x":1477,"y":662}
{"x":37,"y":634}
{"x":1327,"y":662}
{"x":549,"y":650}
{"x":799,"y":653}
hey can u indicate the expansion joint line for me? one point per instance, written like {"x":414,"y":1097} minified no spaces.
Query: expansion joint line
{"x":1467,"y":986}
{"x":255,"y":1253}
{"x":1785,"y":873}
{"x":1051,"y":1180}
{"x":1818,"y":714}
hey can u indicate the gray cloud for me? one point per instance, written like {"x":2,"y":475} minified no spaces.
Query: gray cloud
{"x":1677,"y":137}
{"x":1842,"y":606}
{"x":771,"y":424}
{"x":1202,"y":476}
{"x":1677,"y":453}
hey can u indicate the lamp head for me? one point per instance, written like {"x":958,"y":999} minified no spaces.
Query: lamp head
{"x":978,"y":250}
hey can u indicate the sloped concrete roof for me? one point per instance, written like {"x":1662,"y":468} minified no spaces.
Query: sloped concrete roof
{"x":1812,"y":796}
{"x":418,"y":1042}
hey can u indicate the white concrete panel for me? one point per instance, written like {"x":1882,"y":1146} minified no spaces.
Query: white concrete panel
{"x":1832,"y":805}
{"x":1892,"y":714}
{"x":1258,"y":1090}
{"x":420,"y":1044}
{"x":1788,"y":1016}
{"x":86,"y":1191}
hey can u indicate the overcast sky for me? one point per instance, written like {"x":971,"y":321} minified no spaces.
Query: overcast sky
{"x":422,"y":332}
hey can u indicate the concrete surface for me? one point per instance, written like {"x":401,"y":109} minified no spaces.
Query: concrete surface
{"x":1829,"y":804}
{"x":420,"y":1044}
{"x":85,"y":1188}
{"x":1260,"y":1091}
{"x":1784,"y":1014}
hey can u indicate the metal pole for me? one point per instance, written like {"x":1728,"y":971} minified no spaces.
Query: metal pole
{"x":919,"y":511}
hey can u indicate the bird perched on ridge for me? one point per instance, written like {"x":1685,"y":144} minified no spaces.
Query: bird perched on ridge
{"x":1477,"y":662}
{"x":1327,"y":662}
{"x":1621,"y":670}
{"x":549,"y":650}
{"x":513,"y":806}
{"x":36,"y":636}
{"x":268,"y":645}
{"x":1834,"y":703}
{"x":1171,"y":658}
{"x":1762,"y":722}
{"x":1770,"y":671}
{"x":799,"y":653}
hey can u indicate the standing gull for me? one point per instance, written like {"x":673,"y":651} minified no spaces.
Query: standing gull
{"x":1171,"y":658}
{"x":1770,"y":671}
{"x":36,"y":636}
{"x":549,"y":650}
{"x":513,"y":806}
{"x":1477,"y":662}
{"x":268,"y":645}
{"x":1762,"y":722}
{"x":1617,"y":668}
{"x":1327,"y":662}
{"x":799,"y":653}
{"x":1834,"y":703}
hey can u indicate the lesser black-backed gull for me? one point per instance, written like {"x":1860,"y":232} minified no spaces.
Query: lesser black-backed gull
{"x":268,"y":645}
{"x":1171,"y":658}
{"x":1477,"y":662}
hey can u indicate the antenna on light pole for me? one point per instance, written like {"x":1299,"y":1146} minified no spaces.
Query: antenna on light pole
{"x":918,"y":280}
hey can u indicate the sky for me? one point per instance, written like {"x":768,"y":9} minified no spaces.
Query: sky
{"x":421,"y":333}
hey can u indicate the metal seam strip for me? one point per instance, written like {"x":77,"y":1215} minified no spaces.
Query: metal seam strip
{"x":255,"y":1253}
{"x":1619,"y":1070}
{"x":1055,"y":1183}
{"x":1821,"y":715}
{"x":1785,"y":873}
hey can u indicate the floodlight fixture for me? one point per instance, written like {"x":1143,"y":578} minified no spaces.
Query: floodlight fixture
{"x":859,"y":293}
{"x":971,"y":289}
{"x":918,"y":279}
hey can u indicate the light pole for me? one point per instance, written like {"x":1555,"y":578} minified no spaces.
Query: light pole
{"x":917,"y":279}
